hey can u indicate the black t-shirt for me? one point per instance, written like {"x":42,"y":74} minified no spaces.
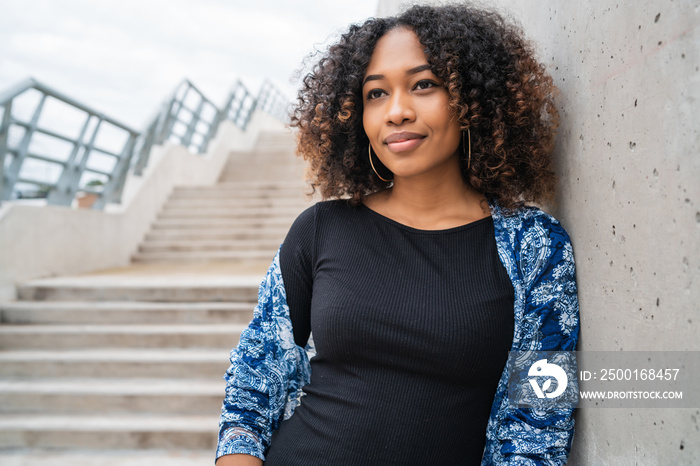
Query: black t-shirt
{"x":412,"y":330}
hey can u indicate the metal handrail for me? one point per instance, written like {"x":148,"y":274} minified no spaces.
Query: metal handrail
{"x":187,"y":117}
{"x":272,"y":101}
{"x":240,"y":106}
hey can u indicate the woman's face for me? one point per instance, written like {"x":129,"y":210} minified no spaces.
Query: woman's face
{"x":406,"y":115}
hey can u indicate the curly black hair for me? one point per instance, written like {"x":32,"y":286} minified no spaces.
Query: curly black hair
{"x":497,"y":89}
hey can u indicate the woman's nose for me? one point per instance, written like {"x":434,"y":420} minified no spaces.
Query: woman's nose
{"x":400,"y":109}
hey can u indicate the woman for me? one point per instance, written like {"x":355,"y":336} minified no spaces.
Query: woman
{"x":432,"y":130}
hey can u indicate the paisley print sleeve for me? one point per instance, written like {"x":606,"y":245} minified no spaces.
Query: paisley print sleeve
{"x":268,"y":370}
{"x":538,"y":255}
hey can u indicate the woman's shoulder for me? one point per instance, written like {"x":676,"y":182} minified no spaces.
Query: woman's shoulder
{"x":535,"y":239}
{"x":332,"y":205}
{"x":325,"y":210}
{"x":527,"y":222}
{"x":321,"y":212}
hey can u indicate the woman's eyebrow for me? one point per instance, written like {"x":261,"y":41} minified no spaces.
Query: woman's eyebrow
{"x":417,"y":69}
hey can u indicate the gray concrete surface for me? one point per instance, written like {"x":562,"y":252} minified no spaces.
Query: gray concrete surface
{"x":629,"y":195}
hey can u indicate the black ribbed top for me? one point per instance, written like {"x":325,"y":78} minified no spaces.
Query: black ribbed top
{"x":412,"y":330}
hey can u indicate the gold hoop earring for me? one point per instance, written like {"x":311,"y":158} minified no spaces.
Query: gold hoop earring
{"x":469,"y":154}
{"x":369,"y":150}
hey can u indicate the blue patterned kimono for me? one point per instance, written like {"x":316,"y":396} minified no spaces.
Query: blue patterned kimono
{"x":268,"y":370}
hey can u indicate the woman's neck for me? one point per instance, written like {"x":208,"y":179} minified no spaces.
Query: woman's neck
{"x":430,"y":202}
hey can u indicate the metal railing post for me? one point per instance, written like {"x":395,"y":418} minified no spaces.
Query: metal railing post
{"x":213,"y":128}
{"x":61,"y":194}
{"x":74,"y":178}
{"x":168,"y":122}
{"x":147,"y":142}
{"x":187,"y":138}
{"x":4,"y":131}
{"x":13,"y":170}
{"x":114,"y":189}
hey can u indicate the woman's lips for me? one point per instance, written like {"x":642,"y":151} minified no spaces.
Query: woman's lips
{"x":403,"y":141}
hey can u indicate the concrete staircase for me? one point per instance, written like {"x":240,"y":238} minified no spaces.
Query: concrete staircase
{"x":125,"y":366}
{"x":243,"y":217}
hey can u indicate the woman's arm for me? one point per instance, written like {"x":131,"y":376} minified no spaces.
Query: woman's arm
{"x":267,"y":371}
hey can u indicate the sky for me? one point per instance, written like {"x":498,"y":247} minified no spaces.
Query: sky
{"x":123,"y":58}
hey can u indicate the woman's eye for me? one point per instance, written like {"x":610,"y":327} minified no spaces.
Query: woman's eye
{"x":375,"y":93}
{"x":425,"y":84}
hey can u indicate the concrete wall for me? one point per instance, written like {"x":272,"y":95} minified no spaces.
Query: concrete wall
{"x":44,"y":241}
{"x":629,"y":195}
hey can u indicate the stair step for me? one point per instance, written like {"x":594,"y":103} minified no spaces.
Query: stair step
{"x":210,"y":364}
{"x":242,"y":215}
{"x":281,"y":139}
{"x":262,"y":173}
{"x":265,"y":167}
{"x":236,"y":191}
{"x":276,"y":234}
{"x":91,"y":457}
{"x":262,"y":167}
{"x":111,"y":396}
{"x":124,"y":312}
{"x":288,"y":136}
{"x":233,"y":223}
{"x":292,"y":202}
{"x":280,"y":153}
{"x":209,"y":245}
{"x":232,"y":195}
{"x":278,"y":148}
{"x":232,"y":208}
{"x":254,"y":186}
{"x":203,"y":256}
{"x":139,"y":288}
{"x":286,"y":140}
{"x":109,"y":432}
{"x":115,"y":336}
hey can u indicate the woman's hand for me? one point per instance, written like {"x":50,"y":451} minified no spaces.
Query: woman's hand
{"x":238,"y":460}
